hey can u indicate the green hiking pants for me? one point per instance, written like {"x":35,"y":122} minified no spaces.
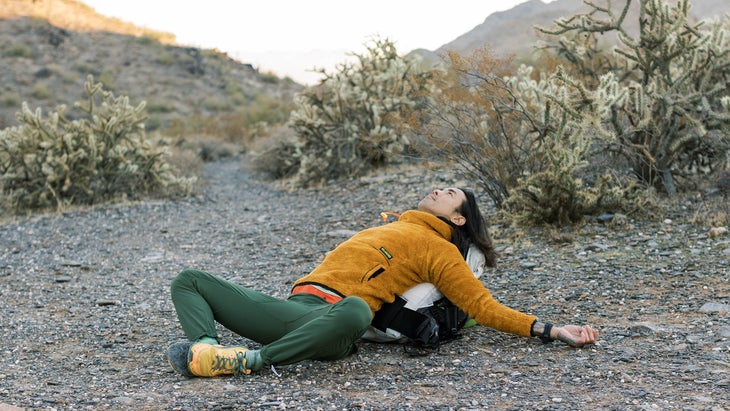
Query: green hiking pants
{"x":301,"y":327}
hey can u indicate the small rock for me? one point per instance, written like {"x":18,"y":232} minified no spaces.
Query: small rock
{"x":507,"y":250}
{"x":596,"y":247}
{"x":528,"y":264}
{"x":605,"y":218}
{"x":627,"y":355}
{"x":616,"y":218}
{"x":694,"y":339}
{"x":341,"y":233}
{"x":724,"y":331}
{"x":619,"y":218}
{"x":71,"y":264}
{"x":643,"y":329}
{"x":153,"y":258}
{"x":123,"y":400}
{"x":102,"y":303}
{"x":713,"y":307}
{"x":717,"y":232}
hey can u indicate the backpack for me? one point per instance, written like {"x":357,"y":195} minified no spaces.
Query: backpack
{"x":422,"y":318}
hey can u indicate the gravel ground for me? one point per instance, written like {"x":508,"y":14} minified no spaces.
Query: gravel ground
{"x":86,"y":313}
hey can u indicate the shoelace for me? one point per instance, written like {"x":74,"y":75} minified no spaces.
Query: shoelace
{"x":238,"y":364}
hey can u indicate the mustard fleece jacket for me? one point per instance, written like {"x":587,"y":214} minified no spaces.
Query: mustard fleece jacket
{"x":379,"y":263}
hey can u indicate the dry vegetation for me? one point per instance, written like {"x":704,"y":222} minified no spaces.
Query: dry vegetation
{"x":530,"y":131}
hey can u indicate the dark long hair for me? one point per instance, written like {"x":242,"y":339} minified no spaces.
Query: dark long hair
{"x":474,"y":231}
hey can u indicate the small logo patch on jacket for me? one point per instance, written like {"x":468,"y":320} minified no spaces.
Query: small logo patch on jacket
{"x":385,"y":253}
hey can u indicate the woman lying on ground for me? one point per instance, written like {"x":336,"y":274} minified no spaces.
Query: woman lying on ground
{"x":333,"y":306}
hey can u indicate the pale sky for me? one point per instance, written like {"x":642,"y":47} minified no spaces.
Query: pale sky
{"x":291,"y":37}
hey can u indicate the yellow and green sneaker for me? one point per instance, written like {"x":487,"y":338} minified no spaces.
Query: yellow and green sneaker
{"x":197,"y":359}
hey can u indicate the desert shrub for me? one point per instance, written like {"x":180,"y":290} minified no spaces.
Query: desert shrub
{"x":40,"y":92}
{"x":153,"y":123}
{"x":266,"y":109}
{"x":146,"y":40}
{"x":11,"y":99}
{"x":556,"y":196}
{"x":477,"y":121}
{"x":87,"y":68}
{"x":216,"y":103}
{"x":669,"y":115}
{"x":356,"y":118}
{"x":527,"y":139}
{"x":535,"y":140}
{"x":207,"y":148}
{"x":101,"y":155}
{"x":240,"y":127}
{"x":274,"y":156}
{"x":269,"y":77}
{"x":18,"y":50}
{"x":165,"y":58}
{"x":160,"y":106}
{"x":108,"y":78}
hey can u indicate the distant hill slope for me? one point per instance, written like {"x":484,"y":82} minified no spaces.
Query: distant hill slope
{"x":48,"y":47}
{"x":76,"y":16}
{"x":513,"y":31}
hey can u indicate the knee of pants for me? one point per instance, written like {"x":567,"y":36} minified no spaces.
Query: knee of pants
{"x":358,"y":312}
{"x":184,"y":279}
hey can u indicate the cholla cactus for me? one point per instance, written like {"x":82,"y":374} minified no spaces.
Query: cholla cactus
{"x":357,"y":117}
{"x":525,"y":137}
{"x":565,"y":117}
{"x":666,"y":114}
{"x":55,"y":161}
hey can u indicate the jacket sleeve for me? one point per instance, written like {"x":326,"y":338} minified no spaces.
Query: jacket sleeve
{"x":456,"y":281}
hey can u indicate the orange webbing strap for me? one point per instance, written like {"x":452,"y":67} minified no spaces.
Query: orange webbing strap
{"x":311,"y":289}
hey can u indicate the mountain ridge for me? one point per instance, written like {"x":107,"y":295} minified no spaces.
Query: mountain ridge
{"x":46,"y":65}
{"x":77,"y":16}
{"x":513,"y":31}
{"x":49,"y":47}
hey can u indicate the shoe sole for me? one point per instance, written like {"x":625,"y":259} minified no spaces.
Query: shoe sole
{"x":178,"y":356}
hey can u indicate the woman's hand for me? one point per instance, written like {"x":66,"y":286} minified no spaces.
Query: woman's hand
{"x":575,"y":335}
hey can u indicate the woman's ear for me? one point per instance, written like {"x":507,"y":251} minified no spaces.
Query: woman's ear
{"x":458,"y":220}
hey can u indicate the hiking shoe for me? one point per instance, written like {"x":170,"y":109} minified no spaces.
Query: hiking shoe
{"x":206,"y":360}
{"x":177,"y":357}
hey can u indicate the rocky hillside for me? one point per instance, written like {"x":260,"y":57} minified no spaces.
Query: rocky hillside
{"x":49,"y":47}
{"x":513,"y":31}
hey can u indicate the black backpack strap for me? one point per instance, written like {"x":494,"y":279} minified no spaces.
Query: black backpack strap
{"x":448,"y":316}
{"x":420,"y":328}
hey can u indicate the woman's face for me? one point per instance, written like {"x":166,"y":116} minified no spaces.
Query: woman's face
{"x":444,"y":203}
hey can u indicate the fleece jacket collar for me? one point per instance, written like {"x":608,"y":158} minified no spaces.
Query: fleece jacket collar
{"x":429,"y":220}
